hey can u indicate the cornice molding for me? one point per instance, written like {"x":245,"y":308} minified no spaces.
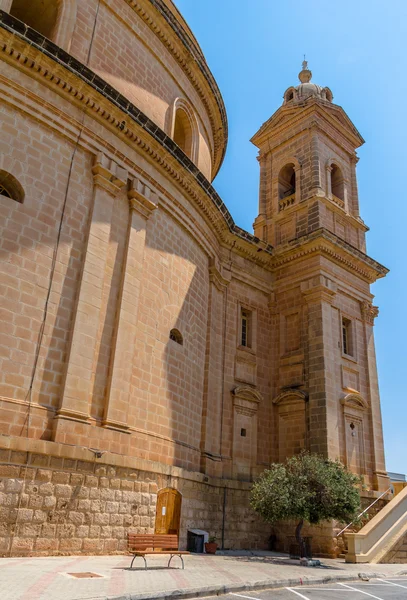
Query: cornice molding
{"x":83,"y":87}
{"x":319,"y":115}
{"x":325,"y":243}
{"x":183,"y":53}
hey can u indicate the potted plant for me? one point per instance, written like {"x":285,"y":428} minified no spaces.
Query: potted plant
{"x":211,"y":546}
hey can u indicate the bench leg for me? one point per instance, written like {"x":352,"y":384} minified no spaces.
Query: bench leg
{"x":134,"y":558}
{"x":172,"y":556}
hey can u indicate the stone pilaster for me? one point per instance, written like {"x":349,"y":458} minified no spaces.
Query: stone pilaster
{"x":108,"y":179}
{"x":214,"y":367}
{"x":316,"y":189}
{"x":381,"y":480}
{"x":354,"y":203}
{"x":260,"y":221}
{"x":319,"y":293}
{"x":143,"y":201}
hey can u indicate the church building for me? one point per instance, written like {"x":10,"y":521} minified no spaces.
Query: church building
{"x":155,"y":357}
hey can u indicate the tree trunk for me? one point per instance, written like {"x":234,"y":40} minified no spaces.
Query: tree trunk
{"x":299,"y":538}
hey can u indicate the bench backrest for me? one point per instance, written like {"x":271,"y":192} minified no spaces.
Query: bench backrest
{"x":138,"y":542}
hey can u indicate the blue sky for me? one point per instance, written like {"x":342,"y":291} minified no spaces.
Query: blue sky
{"x":357,"y":48}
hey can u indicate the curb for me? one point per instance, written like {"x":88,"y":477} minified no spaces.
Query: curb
{"x":218,"y":590}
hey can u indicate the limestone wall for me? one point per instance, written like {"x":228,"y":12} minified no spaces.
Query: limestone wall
{"x":60,"y":505}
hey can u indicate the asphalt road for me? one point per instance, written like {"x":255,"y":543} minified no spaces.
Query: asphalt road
{"x":378,"y":589}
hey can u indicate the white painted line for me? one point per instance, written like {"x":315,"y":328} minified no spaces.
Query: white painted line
{"x":323,"y":589}
{"x":298,"y":593}
{"x":241,"y":596}
{"x":360,"y":591}
{"x":396,"y":584}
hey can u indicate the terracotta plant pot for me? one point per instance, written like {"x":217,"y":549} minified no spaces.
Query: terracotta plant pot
{"x":211,"y":547}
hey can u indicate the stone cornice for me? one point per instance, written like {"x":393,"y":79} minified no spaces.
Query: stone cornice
{"x":33,"y":53}
{"x":189,"y":56}
{"x":286,"y":118}
{"x":323,"y":242}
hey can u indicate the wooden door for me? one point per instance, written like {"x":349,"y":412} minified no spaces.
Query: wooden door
{"x":168,"y":513}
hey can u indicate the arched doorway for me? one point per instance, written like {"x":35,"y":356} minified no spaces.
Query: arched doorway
{"x":168,"y":513}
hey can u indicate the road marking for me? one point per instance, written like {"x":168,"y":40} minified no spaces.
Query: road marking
{"x":250,"y":597}
{"x":298,"y":593}
{"x":360,"y":591}
{"x":396,"y":584}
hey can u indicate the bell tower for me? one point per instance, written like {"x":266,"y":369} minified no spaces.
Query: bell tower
{"x":307,"y":156}
{"x":324,"y":378}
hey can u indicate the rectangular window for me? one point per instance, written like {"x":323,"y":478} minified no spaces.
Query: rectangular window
{"x":246,"y":328}
{"x":347,"y":341}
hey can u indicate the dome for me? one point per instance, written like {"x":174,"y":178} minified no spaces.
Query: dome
{"x":306,"y":89}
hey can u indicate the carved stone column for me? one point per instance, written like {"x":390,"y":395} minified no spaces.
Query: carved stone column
{"x":142,"y":203}
{"x":108,"y":179}
{"x":319,"y":293}
{"x":214,"y":394}
{"x":380,"y":478}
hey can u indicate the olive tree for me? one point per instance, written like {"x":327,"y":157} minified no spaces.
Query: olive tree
{"x":307,"y":488}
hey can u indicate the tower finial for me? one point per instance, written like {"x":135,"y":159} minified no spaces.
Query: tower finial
{"x":305,"y":75}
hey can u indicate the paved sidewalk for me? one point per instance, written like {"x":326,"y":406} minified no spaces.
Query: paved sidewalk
{"x":204,"y":575}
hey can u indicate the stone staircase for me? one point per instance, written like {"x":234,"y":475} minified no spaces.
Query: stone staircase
{"x":383,"y":538}
{"x":372,"y":510}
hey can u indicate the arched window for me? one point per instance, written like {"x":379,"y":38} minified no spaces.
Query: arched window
{"x":289,"y":95}
{"x":286,"y":182}
{"x":176,"y":336}
{"x":41,"y":15}
{"x":183,"y":133}
{"x":10,"y":187}
{"x":337,"y":183}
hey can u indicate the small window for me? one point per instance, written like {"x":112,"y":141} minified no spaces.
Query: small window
{"x":347,"y":339}
{"x":243,"y":432}
{"x":183,"y":133}
{"x":10,"y":187}
{"x":176,"y":336}
{"x":246,"y":328}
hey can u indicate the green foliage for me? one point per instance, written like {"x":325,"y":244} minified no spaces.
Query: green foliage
{"x":307,"y":487}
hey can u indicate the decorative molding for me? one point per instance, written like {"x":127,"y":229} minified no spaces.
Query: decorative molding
{"x":246,"y":400}
{"x":108,"y":175}
{"x":216,"y":277}
{"x":355,"y":401}
{"x":327,"y":243}
{"x":290,"y":395}
{"x":116,"y":426}
{"x":369,"y":312}
{"x":142,"y":198}
{"x":319,"y":288}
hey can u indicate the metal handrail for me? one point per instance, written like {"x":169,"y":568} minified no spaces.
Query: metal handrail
{"x":363,"y":512}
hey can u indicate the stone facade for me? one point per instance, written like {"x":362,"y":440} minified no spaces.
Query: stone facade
{"x":146,"y":340}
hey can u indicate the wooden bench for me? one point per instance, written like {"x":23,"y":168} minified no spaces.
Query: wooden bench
{"x":140,"y":544}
